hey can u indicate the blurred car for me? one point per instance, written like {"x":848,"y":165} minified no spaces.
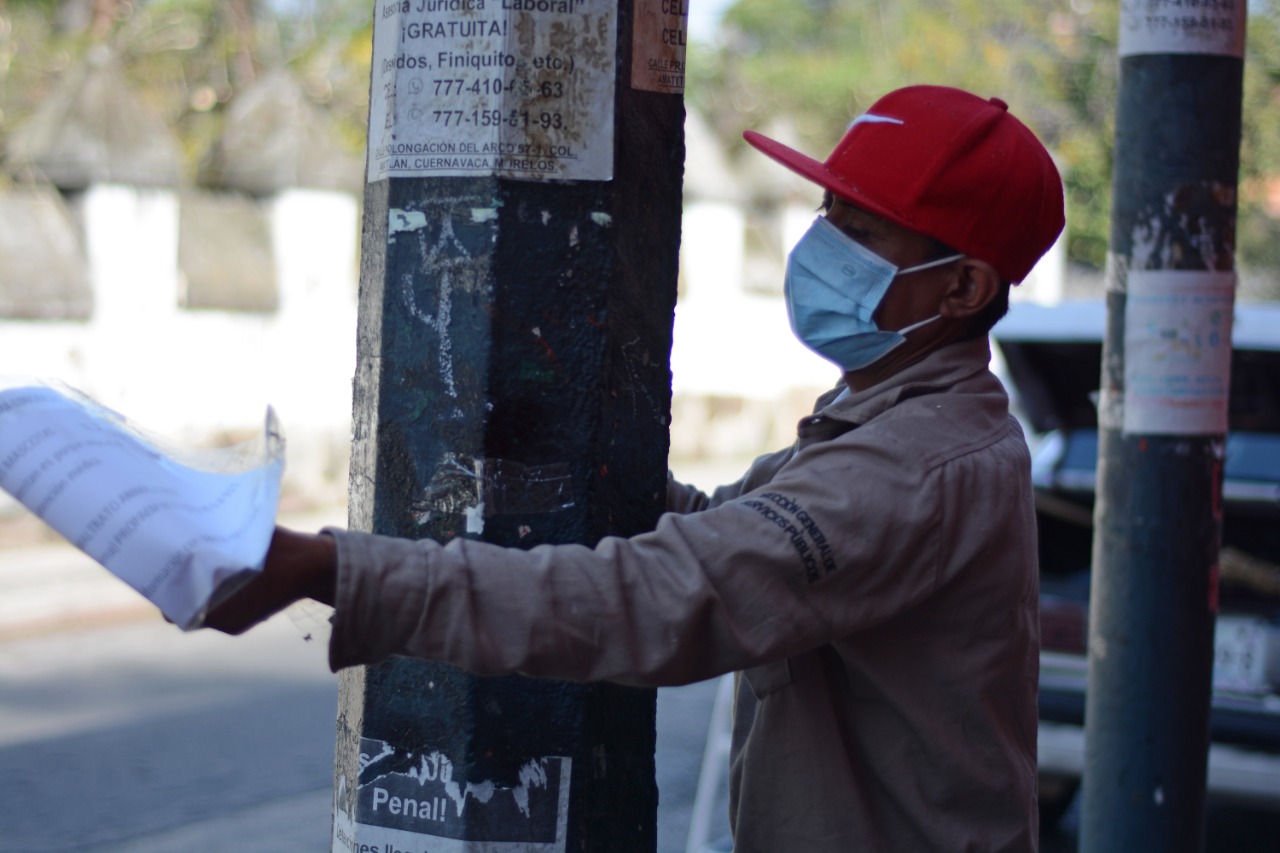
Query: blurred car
{"x":1050,"y":357}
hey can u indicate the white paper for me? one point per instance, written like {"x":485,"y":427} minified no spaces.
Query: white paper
{"x":1177,"y":351}
{"x":178,"y":533}
{"x":407,"y":801}
{"x":1208,"y":27}
{"x":517,"y":88}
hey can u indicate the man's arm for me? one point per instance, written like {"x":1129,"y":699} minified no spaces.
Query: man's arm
{"x":683,"y":498}
{"x":735,"y":585}
{"x":298,"y":566}
{"x":303,"y":565}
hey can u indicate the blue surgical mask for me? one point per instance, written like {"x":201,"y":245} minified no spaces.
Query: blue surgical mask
{"x":833,"y":287}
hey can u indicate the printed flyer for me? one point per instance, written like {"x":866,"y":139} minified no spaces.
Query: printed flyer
{"x":180,"y":528}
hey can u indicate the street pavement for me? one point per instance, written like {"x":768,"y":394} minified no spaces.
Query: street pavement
{"x":137,"y":737}
{"x":121,"y":734}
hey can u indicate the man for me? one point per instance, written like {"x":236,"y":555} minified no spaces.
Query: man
{"x":875,"y":583}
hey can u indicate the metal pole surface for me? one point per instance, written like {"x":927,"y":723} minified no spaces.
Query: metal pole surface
{"x":1162,"y":423}
{"x":518,"y":282}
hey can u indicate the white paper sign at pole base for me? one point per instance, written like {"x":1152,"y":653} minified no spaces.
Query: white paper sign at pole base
{"x":515,"y":88}
{"x":417,"y":801}
{"x":1177,"y":351}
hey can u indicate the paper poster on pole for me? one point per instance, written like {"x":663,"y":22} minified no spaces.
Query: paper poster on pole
{"x":1177,"y":351}
{"x":1213,"y":27}
{"x":660,"y":33}
{"x":515,"y":88}
{"x":407,"y":801}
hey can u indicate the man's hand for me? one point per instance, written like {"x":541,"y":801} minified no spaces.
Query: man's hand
{"x":298,"y":566}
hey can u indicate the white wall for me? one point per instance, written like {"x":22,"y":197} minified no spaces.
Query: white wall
{"x":729,"y":342}
{"x":199,"y":377}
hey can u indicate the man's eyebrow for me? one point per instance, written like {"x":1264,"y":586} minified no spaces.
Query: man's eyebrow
{"x":828,"y":199}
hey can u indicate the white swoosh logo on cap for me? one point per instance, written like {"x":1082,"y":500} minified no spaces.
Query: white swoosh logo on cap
{"x":872,"y":118}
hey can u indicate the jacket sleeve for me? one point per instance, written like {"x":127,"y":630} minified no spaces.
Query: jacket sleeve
{"x":683,"y":498}
{"x":774,"y":572}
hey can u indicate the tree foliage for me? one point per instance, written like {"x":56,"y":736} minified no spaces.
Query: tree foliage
{"x":820,"y":62}
{"x":1258,"y":228}
{"x":188,"y":59}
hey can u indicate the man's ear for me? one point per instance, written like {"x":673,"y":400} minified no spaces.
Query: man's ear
{"x":972,"y":287}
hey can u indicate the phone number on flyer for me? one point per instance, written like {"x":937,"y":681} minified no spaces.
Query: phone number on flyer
{"x":494,"y":118}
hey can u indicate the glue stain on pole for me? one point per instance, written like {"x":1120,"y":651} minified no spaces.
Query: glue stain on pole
{"x":1163,"y":234}
{"x":405,"y":220}
{"x":475,"y":518}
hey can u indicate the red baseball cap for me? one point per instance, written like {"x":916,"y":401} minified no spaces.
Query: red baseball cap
{"x":948,"y":164}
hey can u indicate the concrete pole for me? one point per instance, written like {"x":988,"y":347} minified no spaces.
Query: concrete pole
{"x":1162,"y":425}
{"x":518,"y":279}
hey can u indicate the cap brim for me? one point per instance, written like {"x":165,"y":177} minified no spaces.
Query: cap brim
{"x":801,"y":164}
{"x":817,"y":171}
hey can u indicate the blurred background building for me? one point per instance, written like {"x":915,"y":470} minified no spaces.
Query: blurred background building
{"x":189,"y":309}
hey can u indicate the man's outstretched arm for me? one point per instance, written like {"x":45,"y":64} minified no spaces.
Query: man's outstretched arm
{"x":298,"y":566}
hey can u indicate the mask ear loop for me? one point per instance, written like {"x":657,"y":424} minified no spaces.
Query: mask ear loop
{"x":931,"y":264}
{"x":903,"y":331}
{"x":917,"y":268}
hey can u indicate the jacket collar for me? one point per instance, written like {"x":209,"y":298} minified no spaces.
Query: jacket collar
{"x":837,"y":413}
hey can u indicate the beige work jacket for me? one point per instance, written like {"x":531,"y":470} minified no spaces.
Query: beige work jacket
{"x":875,"y":583}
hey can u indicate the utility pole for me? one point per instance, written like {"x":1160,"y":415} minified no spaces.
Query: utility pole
{"x":518,"y":280}
{"x":1162,"y":420}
